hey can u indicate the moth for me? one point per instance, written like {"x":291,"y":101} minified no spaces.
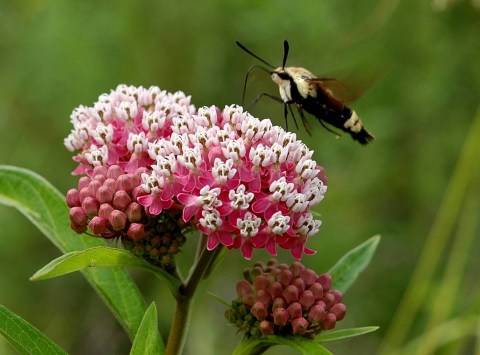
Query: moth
{"x":324,"y":98}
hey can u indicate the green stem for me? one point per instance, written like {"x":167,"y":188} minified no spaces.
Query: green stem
{"x":447,"y":295}
{"x":436,"y":240}
{"x":178,"y":331}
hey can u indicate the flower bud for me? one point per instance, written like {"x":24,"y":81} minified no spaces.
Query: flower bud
{"x":72,"y":198}
{"x":117,"y":219}
{"x":137,"y":175}
{"x":121,"y":200}
{"x":339,"y":310}
{"x":125,"y":183}
{"x":134,"y":212}
{"x":263,"y":296}
{"x":154,"y":253}
{"x":290,"y":294}
{"x":296,"y":268}
{"x":308,"y":276}
{"x":299,"y":283}
{"x":104,"y":194}
{"x":137,"y":192}
{"x":317,"y":313}
{"x":259,"y":310}
{"x":90,"y":206}
{"x":280,"y":316}
{"x":98,"y":225}
{"x":326,"y":281}
{"x":295,"y":310}
{"x":100,"y":178}
{"x":248,"y":299}
{"x":329,"y":299}
{"x":78,"y":228}
{"x":299,"y":325}
{"x":83,"y":182}
{"x":83,"y":193}
{"x":285,"y":277}
{"x":275,"y":289}
{"x":337,"y":295}
{"x":266,"y":327}
{"x":317,"y":290}
{"x":100,"y":170}
{"x":260,"y":283}
{"x":114,"y":171}
{"x":105,"y":210}
{"x":244,"y":288}
{"x":136,"y":231}
{"x":78,"y":216}
{"x":301,"y":306}
{"x":329,"y":322}
{"x":110,"y":183}
{"x":93,"y":187}
{"x":307,"y":299}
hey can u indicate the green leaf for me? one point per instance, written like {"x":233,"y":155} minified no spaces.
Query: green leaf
{"x":148,"y":340}
{"x":45,"y":207}
{"x":251,"y":346}
{"x":343,"y":333}
{"x":347,"y":269}
{"x":24,"y":337}
{"x":306,"y":346}
{"x":219,"y":299}
{"x":101,"y":257}
{"x":303,"y":345}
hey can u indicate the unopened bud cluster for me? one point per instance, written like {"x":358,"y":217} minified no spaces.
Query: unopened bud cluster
{"x":105,"y":205}
{"x":285,"y":300}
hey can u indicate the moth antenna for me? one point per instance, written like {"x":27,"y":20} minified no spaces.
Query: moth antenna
{"x":246,"y":79}
{"x":253,"y":54}
{"x":286,"y":48}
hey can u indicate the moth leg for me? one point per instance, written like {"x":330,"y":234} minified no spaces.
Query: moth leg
{"x":294,"y":118}
{"x":273,"y":97}
{"x":304,"y":120}
{"x":338,"y":135}
{"x":255,"y":66}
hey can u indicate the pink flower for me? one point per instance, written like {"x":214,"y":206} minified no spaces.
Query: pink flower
{"x":154,"y":202}
{"x":241,"y":181}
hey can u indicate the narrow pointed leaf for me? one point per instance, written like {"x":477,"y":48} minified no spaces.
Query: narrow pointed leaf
{"x":343,"y":333}
{"x":252,"y":346}
{"x":45,"y":207}
{"x":148,"y":340}
{"x":305,"y":346}
{"x":24,"y":337}
{"x":100,"y":257}
{"x":347,"y":269}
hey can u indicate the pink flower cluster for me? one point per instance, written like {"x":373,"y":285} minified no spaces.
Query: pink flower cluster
{"x":241,"y":181}
{"x":285,"y":300}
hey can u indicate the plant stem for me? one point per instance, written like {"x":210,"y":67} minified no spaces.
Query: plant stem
{"x":178,"y":331}
{"x":436,"y":241}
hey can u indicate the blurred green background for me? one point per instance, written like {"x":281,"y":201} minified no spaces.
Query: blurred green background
{"x":56,"y":55}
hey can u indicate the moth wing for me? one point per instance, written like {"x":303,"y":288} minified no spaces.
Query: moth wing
{"x":337,"y":90}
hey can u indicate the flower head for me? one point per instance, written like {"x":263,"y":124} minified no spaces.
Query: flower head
{"x":241,"y":181}
{"x":285,"y":300}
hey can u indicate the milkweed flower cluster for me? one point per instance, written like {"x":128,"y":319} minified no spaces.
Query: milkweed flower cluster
{"x":241,"y":181}
{"x":285,"y":300}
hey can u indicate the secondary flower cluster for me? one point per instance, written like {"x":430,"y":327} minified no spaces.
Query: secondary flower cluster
{"x":241,"y":181}
{"x":106,"y":204}
{"x":285,"y":300}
